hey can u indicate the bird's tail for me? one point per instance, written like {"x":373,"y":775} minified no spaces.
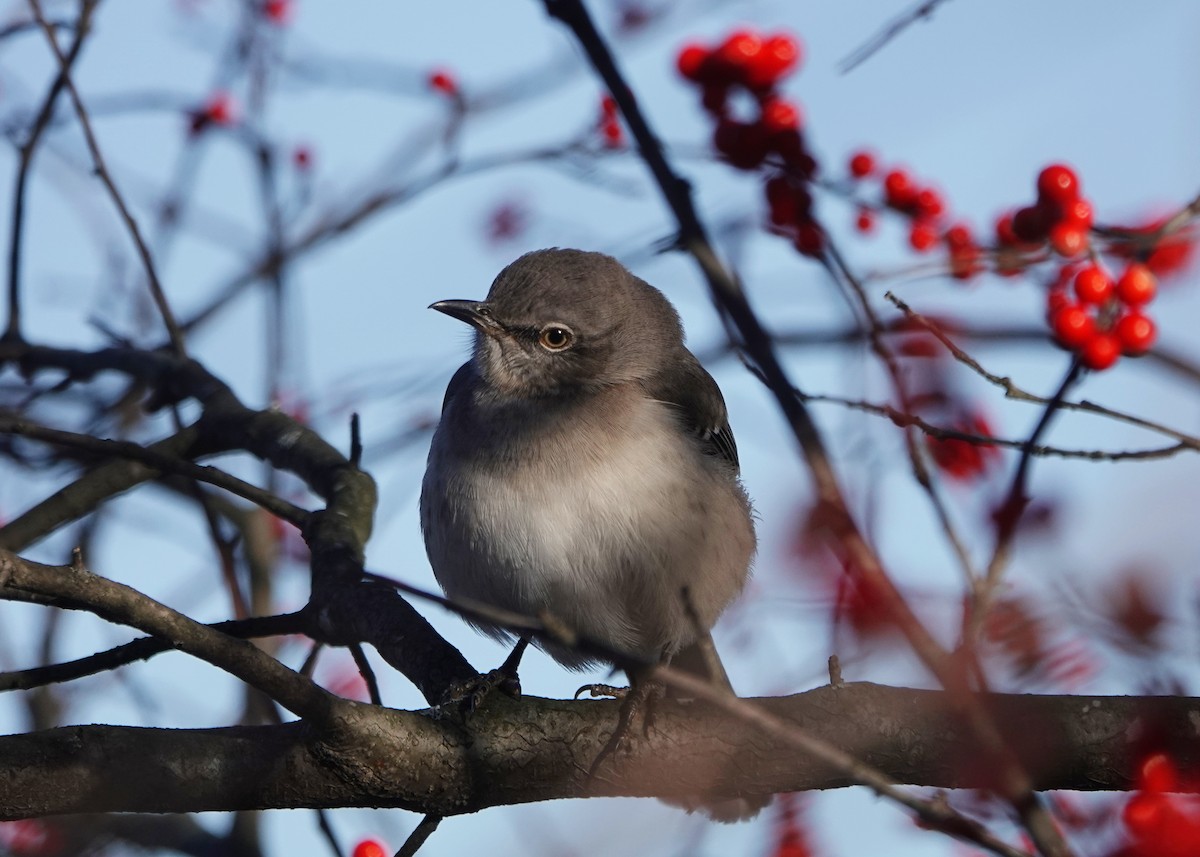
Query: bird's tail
{"x":700,"y":659}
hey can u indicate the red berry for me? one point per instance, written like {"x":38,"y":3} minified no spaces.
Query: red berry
{"x":370,"y":848}
{"x":1078,"y":211}
{"x":1144,"y":812}
{"x":1068,"y":239}
{"x":1093,"y":286}
{"x":778,"y":115}
{"x":898,"y":189}
{"x":611,"y":133}
{"x":1137,"y":285}
{"x":739,"y":50}
{"x":1029,"y":224}
{"x":1056,"y":300}
{"x":302,"y":158}
{"x":958,"y":237}
{"x":865,"y":222}
{"x":743,"y":145}
{"x":278,"y":11}
{"x":1100,"y":352}
{"x":862,"y":164}
{"x":1158,"y":774}
{"x":1004,"y":230}
{"x":219,"y":109}
{"x":1073,"y":325}
{"x":691,"y":61}
{"x":922,"y":236}
{"x":443,"y":81}
{"x":928,"y":202}
{"x":715,"y":98}
{"x":810,"y":240}
{"x":1058,"y":183}
{"x":778,"y":55}
{"x":1135,"y":332}
{"x":781,"y":201}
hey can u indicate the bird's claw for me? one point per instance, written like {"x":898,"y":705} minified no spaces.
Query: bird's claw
{"x":465,"y":697}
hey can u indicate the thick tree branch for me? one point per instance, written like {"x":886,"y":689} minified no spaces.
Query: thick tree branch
{"x":540,"y":749}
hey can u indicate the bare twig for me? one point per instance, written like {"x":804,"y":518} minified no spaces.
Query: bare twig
{"x":156,"y":289}
{"x":922,"y":11}
{"x":12,"y":330}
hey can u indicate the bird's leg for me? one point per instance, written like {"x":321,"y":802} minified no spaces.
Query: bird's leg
{"x":467,"y":696}
{"x":639,"y":697}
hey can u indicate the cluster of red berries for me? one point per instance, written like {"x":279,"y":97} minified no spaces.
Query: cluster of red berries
{"x":925,"y":208}
{"x":1100,"y":318}
{"x":1061,"y":216}
{"x":755,"y":64}
{"x":609,"y":124}
{"x":1160,"y":823}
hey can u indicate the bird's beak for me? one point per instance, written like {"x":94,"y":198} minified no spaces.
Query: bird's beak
{"x":474,"y":313}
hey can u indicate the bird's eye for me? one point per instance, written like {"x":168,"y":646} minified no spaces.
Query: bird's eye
{"x":555,"y":337}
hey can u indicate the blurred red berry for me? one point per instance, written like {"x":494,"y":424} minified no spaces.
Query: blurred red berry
{"x":810,"y":240}
{"x":691,"y":61}
{"x":278,"y":11}
{"x":370,"y":848}
{"x":1068,"y":239}
{"x":1078,"y":211}
{"x":1058,"y":183}
{"x":744,"y":146}
{"x":862,"y":164}
{"x":443,"y":81}
{"x":865,"y":221}
{"x":1030,"y":225}
{"x":898,"y":189}
{"x":302,"y":158}
{"x":739,"y":50}
{"x":958,"y":237}
{"x":1093,"y":285}
{"x":1100,"y":352}
{"x":1056,"y":299}
{"x":1073,"y":325}
{"x":922,"y":236}
{"x":1137,"y":285}
{"x":928,"y":203}
{"x":1135,"y":332}
{"x":778,"y":115}
{"x":779,"y":54}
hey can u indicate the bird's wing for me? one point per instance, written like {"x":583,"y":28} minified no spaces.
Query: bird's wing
{"x":692,"y":392}
{"x":457,"y":382}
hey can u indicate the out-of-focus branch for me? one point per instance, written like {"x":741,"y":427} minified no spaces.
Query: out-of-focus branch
{"x":27,"y":149}
{"x":76,"y":588}
{"x":156,"y":289}
{"x":1013,"y":782}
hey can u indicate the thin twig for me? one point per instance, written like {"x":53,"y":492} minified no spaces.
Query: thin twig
{"x":420,"y":833}
{"x":106,"y":448}
{"x":894,"y":28}
{"x":27,"y":149}
{"x":156,"y":290}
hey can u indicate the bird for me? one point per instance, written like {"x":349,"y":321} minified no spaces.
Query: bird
{"x":583,"y":468}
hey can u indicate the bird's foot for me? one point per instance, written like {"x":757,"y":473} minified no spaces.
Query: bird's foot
{"x":464,"y":697}
{"x":640,"y":698}
{"x":602,"y":690}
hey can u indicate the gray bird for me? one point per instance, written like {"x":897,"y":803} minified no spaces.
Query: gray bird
{"x":584,"y":466}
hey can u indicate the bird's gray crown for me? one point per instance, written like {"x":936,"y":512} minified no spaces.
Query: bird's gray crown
{"x":558,"y":320}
